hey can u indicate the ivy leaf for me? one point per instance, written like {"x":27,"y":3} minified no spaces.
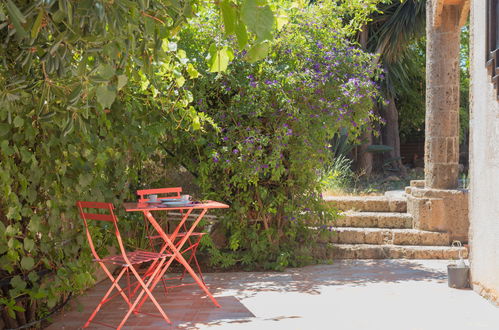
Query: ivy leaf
{"x":18,"y":121}
{"x":180,"y":81}
{"x":40,"y":293}
{"x":4,"y":129}
{"x":106,"y":71}
{"x":229,"y":16}
{"x":34,"y":224}
{"x":18,"y":283}
{"x":196,"y":124}
{"x":122,"y":80}
{"x":258,"y":52}
{"x":27,"y":263}
{"x":191,"y":70}
{"x":6,"y":148}
{"x":219,"y":58}
{"x":6,"y":263}
{"x":29,"y":244}
{"x":106,"y":95}
{"x":33,"y":277}
{"x":241,"y":34}
{"x":85,"y":179}
{"x":258,"y":19}
{"x":11,"y":230}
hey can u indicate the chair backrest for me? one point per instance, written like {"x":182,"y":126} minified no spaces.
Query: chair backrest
{"x":165,"y":192}
{"x":106,"y":214}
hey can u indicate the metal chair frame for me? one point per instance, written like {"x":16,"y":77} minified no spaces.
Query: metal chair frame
{"x":127,"y":260}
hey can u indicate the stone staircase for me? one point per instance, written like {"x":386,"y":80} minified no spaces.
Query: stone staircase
{"x":379,"y":227}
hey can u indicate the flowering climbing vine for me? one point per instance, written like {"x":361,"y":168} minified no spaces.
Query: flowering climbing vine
{"x":274,"y":120}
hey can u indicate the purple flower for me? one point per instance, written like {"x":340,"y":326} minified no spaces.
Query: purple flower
{"x":235,"y":151}
{"x":215,"y":159}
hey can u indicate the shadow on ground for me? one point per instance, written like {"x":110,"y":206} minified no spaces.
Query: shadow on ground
{"x":189,"y":308}
{"x":345,"y":272}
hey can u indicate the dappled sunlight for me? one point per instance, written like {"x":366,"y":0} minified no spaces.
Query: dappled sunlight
{"x":312,"y":279}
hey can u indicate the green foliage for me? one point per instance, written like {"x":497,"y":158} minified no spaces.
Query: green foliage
{"x":87,"y":90}
{"x":274,"y":119}
{"x":464,"y":85}
{"x":338,"y":174}
{"x":411,"y":88}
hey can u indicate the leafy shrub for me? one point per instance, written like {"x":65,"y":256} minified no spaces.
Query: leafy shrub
{"x":79,"y":108}
{"x":273,"y":123}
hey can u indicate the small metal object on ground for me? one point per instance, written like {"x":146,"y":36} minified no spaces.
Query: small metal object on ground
{"x":458,"y":275}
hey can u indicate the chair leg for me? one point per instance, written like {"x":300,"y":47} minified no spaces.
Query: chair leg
{"x":104,"y":298}
{"x":192,"y":257}
{"x":145,"y":290}
{"x":197,"y":264}
{"x":115,"y":284}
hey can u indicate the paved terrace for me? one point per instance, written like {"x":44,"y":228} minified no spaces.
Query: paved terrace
{"x":350,"y":294}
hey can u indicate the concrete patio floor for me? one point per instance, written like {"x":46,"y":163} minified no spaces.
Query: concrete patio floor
{"x":350,"y":294}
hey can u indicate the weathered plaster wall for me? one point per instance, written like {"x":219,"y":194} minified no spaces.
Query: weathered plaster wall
{"x":484,"y":164}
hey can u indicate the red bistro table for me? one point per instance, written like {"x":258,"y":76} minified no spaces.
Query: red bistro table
{"x":170,"y":238}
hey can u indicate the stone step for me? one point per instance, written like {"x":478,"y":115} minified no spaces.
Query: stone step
{"x":369,"y":251}
{"x":368,"y":203}
{"x":374,"y":220}
{"x":380,"y":236}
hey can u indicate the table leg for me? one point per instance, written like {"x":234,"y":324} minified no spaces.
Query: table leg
{"x":172,"y":237}
{"x":163,"y":248}
{"x":177,"y":255}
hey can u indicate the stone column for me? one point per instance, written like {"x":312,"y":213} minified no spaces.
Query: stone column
{"x":442,"y":96}
{"x":435,"y":203}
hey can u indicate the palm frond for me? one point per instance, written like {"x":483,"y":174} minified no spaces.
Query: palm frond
{"x":398,"y":24}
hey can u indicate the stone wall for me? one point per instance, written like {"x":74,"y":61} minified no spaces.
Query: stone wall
{"x":440,"y":210}
{"x":484,"y":164}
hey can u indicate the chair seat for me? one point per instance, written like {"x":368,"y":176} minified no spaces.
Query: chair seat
{"x":135,"y":257}
{"x":181,"y":234}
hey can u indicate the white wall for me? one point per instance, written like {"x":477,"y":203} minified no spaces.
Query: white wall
{"x":484,"y":164}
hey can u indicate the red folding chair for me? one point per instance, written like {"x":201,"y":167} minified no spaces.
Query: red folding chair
{"x":191,"y":245}
{"x":127,"y":261}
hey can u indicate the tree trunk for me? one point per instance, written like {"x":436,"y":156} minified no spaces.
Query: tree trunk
{"x":364,"y":158}
{"x":364,"y":161}
{"x":390,"y":135}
